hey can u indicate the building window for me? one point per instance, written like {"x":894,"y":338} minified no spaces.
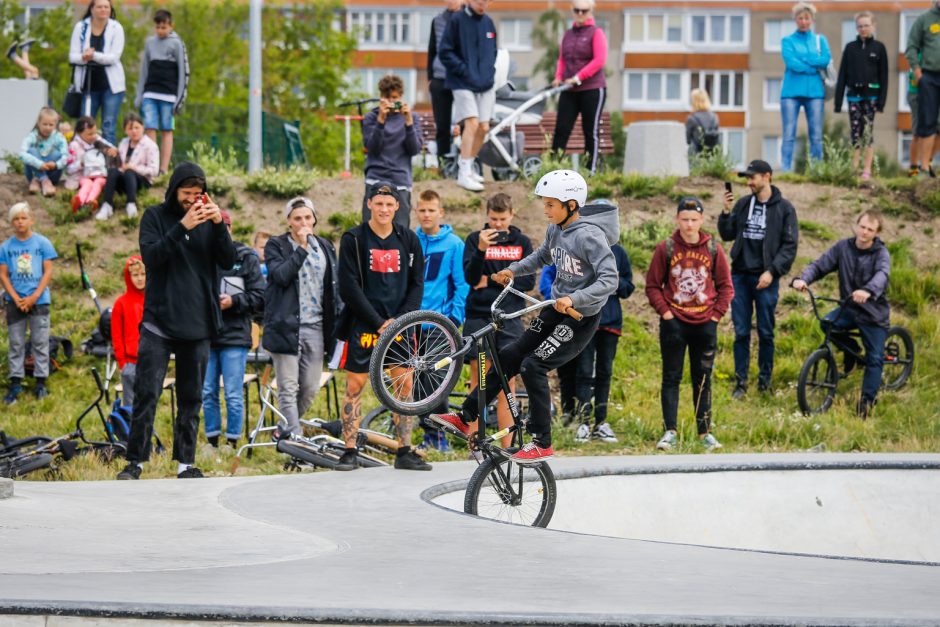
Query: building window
{"x":381,"y":27}
{"x":657,"y":90}
{"x":734,"y":140}
{"x":718,"y":30}
{"x":654,"y":28}
{"x":848,"y":34}
{"x":772,"y":87}
{"x":516,"y":35}
{"x":726,"y":89}
{"x":774,"y":32}
{"x":904,"y":148}
{"x":907,"y":20}
{"x":366,"y":80}
{"x":770,"y":150}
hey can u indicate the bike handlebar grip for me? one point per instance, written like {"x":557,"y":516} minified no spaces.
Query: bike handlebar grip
{"x":574,"y":313}
{"x":94,"y":372}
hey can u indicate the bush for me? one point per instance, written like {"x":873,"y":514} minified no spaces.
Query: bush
{"x":14,"y":163}
{"x":219,"y":166}
{"x":640,"y":241}
{"x":711,"y":162}
{"x":836,"y":167}
{"x":910,"y":287}
{"x":285,"y":183}
{"x":820,"y":231}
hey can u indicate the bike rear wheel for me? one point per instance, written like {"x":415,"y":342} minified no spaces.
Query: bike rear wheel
{"x":898,"y":358}
{"x":308,"y":453}
{"x":14,"y":467}
{"x":816,"y":387}
{"x":413,"y":366}
{"x":505,"y":491}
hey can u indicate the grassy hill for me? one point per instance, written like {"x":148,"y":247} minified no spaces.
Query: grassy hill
{"x":903,"y":421}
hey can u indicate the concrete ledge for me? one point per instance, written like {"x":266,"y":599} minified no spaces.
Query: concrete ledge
{"x":6,"y":488}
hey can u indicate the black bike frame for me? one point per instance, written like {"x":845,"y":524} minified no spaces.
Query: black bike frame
{"x":483,"y":342}
{"x":828,"y":327}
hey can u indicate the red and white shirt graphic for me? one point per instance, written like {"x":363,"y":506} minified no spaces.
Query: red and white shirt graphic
{"x":381,"y":260}
{"x":504,"y":253}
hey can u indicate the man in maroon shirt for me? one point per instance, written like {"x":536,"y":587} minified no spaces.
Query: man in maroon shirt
{"x":689,"y":286}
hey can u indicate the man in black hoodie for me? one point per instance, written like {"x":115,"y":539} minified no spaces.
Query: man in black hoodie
{"x":183,"y":242}
{"x":764,"y":228}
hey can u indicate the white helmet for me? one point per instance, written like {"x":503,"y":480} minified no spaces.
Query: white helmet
{"x":564,"y":185}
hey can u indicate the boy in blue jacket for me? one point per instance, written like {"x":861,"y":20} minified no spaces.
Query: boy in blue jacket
{"x":445,"y":289}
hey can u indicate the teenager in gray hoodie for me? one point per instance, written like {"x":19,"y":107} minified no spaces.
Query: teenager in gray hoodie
{"x":586,"y":277}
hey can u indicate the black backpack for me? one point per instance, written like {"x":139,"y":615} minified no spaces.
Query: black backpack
{"x":708,"y":136}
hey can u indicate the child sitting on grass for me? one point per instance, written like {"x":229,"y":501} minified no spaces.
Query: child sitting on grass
{"x":88,"y":167}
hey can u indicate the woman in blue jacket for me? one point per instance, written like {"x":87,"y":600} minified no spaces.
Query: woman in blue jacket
{"x":805,"y":53}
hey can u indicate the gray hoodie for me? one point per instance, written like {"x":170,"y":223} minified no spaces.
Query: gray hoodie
{"x":164,"y":70}
{"x":586,"y":268}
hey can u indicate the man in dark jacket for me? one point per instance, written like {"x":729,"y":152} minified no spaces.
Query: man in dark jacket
{"x":442,"y":98}
{"x":923,"y":55}
{"x":391,"y":136}
{"x":468,"y":52}
{"x":764,"y":228}
{"x":301,"y":300}
{"x":383,"y":277}
{"x":863,"y":265}
{"x":241,"y":297}
{"x":183,"y":243}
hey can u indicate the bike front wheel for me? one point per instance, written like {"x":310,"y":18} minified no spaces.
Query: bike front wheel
{"x":414,"y":365}
{"x":898,"y":358}
{"x":15,"y":467}
{"x":505,"y":491}
{"x":816,"y":387}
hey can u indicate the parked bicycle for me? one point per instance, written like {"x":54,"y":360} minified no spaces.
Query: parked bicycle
{"x":820,"y":375}
{"x":423,"y":352}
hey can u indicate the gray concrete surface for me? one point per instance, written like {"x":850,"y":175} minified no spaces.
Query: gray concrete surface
{"x":656,"y":149}
{"x":6,"y":488}
{"x":365,"y":548}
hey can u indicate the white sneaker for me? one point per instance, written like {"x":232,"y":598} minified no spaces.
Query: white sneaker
{"x":466,"y":181}
{"x":131,"y":210}
{"x":604,"y":433}
{"x":710,"y":442}
{"x":105,"y":212}
{"x":583,"y":434}
{"x":476,"y":177}
{"x":668,"y":441}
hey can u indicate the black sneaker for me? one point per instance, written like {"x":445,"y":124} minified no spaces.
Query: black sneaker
{"x":348,"y":461}
{"x":191,"y":473}
{"x":233,"y":442}
{"x":12,"y":394}
{"x":763,"y":386}
{"x":41,"y":391}
{"x":864,"y":408}
{"x":131,"y":472}
{"x":411,"y":461}
{"x":740,"y":391}
{"x":213,"y":441}
{"x":11,"y":51}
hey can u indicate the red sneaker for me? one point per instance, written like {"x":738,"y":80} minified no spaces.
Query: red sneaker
{"x":531,"y":454}
{"x":452,"y":422}
{"x":76,"y":203}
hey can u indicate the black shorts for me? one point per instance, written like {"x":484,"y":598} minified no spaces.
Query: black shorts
{"x":510,"y":332}
{"x":357,"y":351}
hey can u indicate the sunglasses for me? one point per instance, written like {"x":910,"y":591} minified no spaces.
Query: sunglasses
{"x":581,"y":11}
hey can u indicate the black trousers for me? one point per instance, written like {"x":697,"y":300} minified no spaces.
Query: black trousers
{"x":589,"y":104}
{"x":153,"y":359}
{"x":442,"y":103}
{"x":702,"y":341}
{"x":128,"y":182}
{"x":585,"y":380}
{"x":549,"y":341}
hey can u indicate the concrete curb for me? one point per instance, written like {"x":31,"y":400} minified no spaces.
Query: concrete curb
{"x":6,"y":488}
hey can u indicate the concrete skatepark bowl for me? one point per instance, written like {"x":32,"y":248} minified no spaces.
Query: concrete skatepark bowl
{"x":814,"y":539}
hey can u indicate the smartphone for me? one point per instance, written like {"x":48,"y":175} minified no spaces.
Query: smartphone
{"x":501,"y":237}
{"x":727,"y":187}
{"x":204,"y":199}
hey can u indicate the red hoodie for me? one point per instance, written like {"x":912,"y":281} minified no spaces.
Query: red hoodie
{"x":126,"y":315}
{"x":687,"y":285}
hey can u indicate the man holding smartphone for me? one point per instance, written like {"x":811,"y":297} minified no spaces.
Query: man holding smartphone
{"x":391,"y":136}
{"x":764,"y":228}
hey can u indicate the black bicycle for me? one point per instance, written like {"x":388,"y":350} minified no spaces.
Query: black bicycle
{"x":820,"y":375}
{"x":415,"y":365}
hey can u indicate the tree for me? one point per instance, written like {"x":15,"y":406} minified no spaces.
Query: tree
{"x":547,"y":36}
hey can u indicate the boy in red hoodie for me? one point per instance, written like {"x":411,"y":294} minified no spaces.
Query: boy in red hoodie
{"x":689,"y":286}
{"x":126,"y":315}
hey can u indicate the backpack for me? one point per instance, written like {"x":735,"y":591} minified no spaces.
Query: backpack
{"x":712,"y":249}
{"x":56,"y":343}
{"x":708,"y":136}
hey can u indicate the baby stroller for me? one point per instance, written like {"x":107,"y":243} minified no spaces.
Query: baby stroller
{"x":504,"y":146}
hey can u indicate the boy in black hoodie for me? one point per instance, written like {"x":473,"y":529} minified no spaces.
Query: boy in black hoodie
{"x":184,"y":243}
{"x":487,"y":252}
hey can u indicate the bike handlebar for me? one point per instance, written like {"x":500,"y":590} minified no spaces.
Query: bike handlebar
{"x":536,"y":304}
{"x":813,"y":299}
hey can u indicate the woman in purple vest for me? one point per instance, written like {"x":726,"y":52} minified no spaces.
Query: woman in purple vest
{"x":581,"y":62}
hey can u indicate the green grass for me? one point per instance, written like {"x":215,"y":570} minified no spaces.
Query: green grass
{"x":819,"y":231}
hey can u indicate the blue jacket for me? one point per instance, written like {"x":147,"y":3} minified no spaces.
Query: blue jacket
{"x":445,"y":289}
{"x":468,"y":51}
{"x":612,"y":312}
{"x":803,"y":62}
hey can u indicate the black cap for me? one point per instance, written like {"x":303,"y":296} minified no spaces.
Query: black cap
{"x":382,"y":188}
{"x":757,"y":167}
{"x":690,"y":203}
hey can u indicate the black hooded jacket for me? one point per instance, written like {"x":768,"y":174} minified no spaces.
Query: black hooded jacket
{"x":478,"y":264}
{"x":780,"y":239}
{"x":182,"y":295}
{"x":864,"y":64}
{"x":245,"y":283}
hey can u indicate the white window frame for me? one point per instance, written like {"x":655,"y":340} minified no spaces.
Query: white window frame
{"x":508,"y":30}
{"x":680,"y":104}
{"x":716,"y":74}
{"x":845,"y":41}
{"x":904,"y":155}
{"x":388,"y":19}
{"x":771,"y":106}
{"x":768,"y":47}
{"x":903,"y":107}
{"x":646,"y":44}
{"x":725,"y":133}
{"x":721,"y":45}
{"x":905,"y":21}
{"x":775,"y":161}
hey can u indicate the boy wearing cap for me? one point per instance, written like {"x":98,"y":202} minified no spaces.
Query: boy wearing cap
{"x":383,"y":277}
{"x":241,"y":297}
{"x":765,"y":231}
{"x":300,"y":303}
{"x":689,"y":286}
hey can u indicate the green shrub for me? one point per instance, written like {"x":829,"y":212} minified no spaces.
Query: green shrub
{"x":910,"y":287}
{"x":711,"y":162}
{"x":14,"y":163}
{"x":284,"y":183}
{"x":342,"y":221}
{"x":641,"y":240}
{"x":819,"y":231}
{"x":928,"y":196}
{"x":219,"y":166}
{"x":836,"y":167}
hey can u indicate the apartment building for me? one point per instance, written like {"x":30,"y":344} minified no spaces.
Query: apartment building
{"x":659,"y":52}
